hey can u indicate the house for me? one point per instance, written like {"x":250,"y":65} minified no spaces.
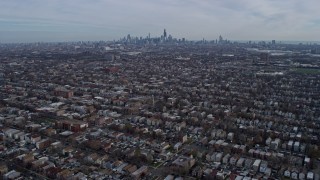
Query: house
{"x":287,"y":173}
{"x":294,"y":175}
{"x":177,"y":146}
{"x":120,"y":168}
{"x":268,"y":172}
{"x":169,"y":177}
{"x":204,"y":140}
{"x":248,"y":163}
{"x":310,"y":175}
{"x":212,"y":142}
{"x":219,"y":143}
{"x":27,"y":137}
{"x":230,"y":136}
{"x":262,"y":154}
{"x":256,"y":164}
{"x":56,"y":145}
{"x":79,"y":175}
{"x":184,"y":161}
{"x":12,"y":175}
{"x":33,"y":127}
{"x":290,"y":145}
{"x":275,"y":144}
{"x":130,"y":169}
{"x":296,"y":146}
{"x":3,"y":169}
{"x":140,"y":172}
{"x":65,"y":174}
{"x":303,"y":148}
{"x":307,"y":161}
{"x":27,"y":158}
{"x":11,"y":132}
{"x":263,"y":166}
{"x":268,"y":141}
{"x":62,"y":92}
{"x":207,"y":171}
{"x":35,"y":138}
{"x":302,"y":176}
{"x":218,"y":157}
{"x":19,"y":136}
{"x":102,"y":159}
{"x":223,"y":174}
{"x":208,"y":157}
{"x":242,"y":149}
{"x":92,"y":158}
{"x":67,"y":151}
{"x":164,"y":145}
{"x":220,"y":175}
{"x":233,"y":160}
{"x":240,"y":162}
{"x":2,"y":137}
{"x":213,"y":156}
{"x":44,"y":143}
{"x":213,"y":133}
{"x":226,"y":158}
{"x":221,"y":133}
{"x":284,"y":145}
{"x":268,"y":155}
{"x":197,"y":172}
{"x":184,"y":138}
{"x":37,"y":163}
{"x":256,"y":153}
{"x":251,"y":152}
{"x":71,"y":125}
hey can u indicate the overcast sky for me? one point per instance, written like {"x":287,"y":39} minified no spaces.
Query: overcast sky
{"x":73,"y":20}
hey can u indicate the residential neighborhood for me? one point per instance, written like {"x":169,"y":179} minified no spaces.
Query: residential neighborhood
{"x":160,"y":109}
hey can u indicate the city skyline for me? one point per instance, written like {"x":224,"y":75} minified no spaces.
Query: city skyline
{"x":34,"y":21}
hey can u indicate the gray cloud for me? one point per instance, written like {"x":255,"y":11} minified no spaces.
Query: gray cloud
{"x":193,"y":19}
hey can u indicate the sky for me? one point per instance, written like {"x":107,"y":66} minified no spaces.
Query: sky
{"x":82,"y":20}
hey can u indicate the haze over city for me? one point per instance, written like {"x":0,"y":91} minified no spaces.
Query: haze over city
{"x":73,"y":20}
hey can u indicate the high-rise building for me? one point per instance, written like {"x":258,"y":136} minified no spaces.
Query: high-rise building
{"x":273,"y":42}
{"x":128,"y":38}
{"x":220,"y":39}
{"x":165,"y":34}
